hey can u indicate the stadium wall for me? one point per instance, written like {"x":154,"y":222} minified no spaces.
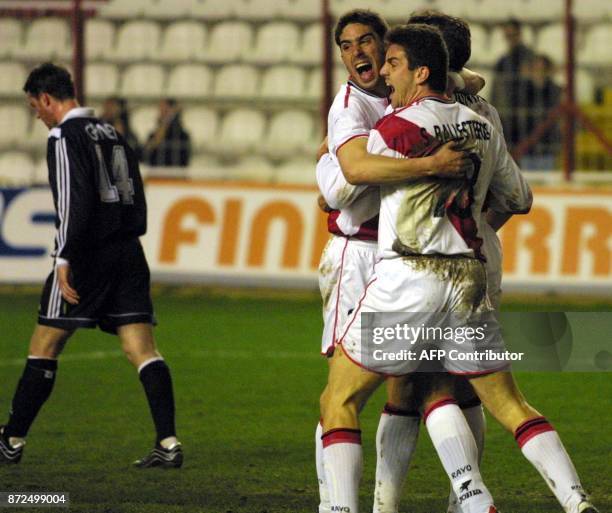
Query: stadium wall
{"x":272,"y":235}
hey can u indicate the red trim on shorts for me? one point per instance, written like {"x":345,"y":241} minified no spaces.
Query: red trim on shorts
{"x":341,"y":436}
{"x":389,"y":409}
{"x":438,"y":404}
{"x":334,"y":339}
{"x":349,"y":324}
{"x":531,"y":428}
{"x":368,"y":231}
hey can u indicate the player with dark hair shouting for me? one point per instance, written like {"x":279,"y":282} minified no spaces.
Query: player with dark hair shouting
{"x":100,"y":275}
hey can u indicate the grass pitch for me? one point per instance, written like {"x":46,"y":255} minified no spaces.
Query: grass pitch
{"x":247,"y":376}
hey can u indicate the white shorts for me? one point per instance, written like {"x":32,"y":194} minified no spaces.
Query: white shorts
{"x":345,"y":268}
{"x":429,"y":292}
{"x":493,"y":252}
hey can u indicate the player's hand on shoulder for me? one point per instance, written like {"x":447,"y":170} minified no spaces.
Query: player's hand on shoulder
{"x":452,"y":162}
{"x":64,"y":278}
{"x":323,"y":204}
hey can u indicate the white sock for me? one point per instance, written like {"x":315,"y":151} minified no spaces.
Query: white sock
{"x":324,"y":506}
{"x":343,"y":465}
{"x":454,"y":442}
{"x":542,"y":446}
{"x":478,"y":425}
{"x":169,"y":443}
{"x":396,"y":439}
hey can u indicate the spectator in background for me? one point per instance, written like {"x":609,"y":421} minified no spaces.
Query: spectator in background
{"x":510,"y":86}
{"x":115,"y":112}
{"x":543,"y":95}
{"x":169,"y":144}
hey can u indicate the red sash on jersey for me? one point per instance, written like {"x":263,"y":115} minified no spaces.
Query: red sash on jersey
{"x":367,"y":230}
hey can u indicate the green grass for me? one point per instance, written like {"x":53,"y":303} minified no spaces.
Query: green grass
{"x":247,"y":377}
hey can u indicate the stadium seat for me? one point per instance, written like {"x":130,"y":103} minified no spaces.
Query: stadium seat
{"x":283,"y":82}
{"x":236,"y":81}
{"x":242,"y":131}
{"x":207,"y":167}
{"x":597,"y":46}
{"x":46,"y":38}
{"x":592,"y":10}
{"x":183,"y":41}
{"x":12,"y":78}
{"x":481,"y":51}
{"x":190,"y":81}
{"x":300,"y":9}
{"x":143,"y":120}
{"x":228,"y":42}
{"x":276,"y":42}
{"x":537,"y":11}
{"x":101,"y":80}
{"x":99,"y":39}
{"x":137,"y":41}
{"x":143,"y":80}
{"x":314,"y":87}
{"x":36,"y":140}
{"x":40,"y":175}
{"x":14,"y":123}
{"x":120,"y":9}
{"x":584,"y":85}
{"x":10,"y":36}
{"x":202,"y":123}
{"x":290,"y":133}
{"x":253,"y":169}
{"x":211,"y":9}
{"x":551,"y":42}
{"x":165,"y":10}
{"x":310,"y":50}
{"x":299,"y":171}
{"x":16,"y":169}
{"x":256,"y":9}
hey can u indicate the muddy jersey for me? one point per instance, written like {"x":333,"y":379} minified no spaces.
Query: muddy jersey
{"x":353,"y":113}
{"x":442,"y":216}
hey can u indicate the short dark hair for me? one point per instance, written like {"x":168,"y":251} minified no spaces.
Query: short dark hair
{"x":424,"y":46}
{"x":365,"y":17}
{"x":514,"y":23}
{"x":455,"y":32}
{"x":51,"y":79}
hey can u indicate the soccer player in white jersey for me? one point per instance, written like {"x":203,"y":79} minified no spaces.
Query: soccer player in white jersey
{"x":348,"y":259}
{"x":427,"y":260}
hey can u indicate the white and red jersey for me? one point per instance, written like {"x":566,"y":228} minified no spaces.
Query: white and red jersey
{"x":442,"y":216}
{"x":353,"y":113}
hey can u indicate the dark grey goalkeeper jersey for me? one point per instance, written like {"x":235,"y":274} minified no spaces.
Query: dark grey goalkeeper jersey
{"x":97,"y":188}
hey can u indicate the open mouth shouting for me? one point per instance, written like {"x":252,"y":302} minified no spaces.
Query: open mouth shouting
{"x":365,"y":71}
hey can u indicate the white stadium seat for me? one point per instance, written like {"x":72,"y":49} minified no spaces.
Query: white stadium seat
{"x":537,"y":11}
{"x":276,"y":42}
{"x":46,"y":38}
{"x":99,"y":38}
{"x":189,"y":81}
{"x":592,"y":10}
{"x":253,"y":169}
{"x":136,"y":41}
{"x":314,"y":87}
{"x":16,"y":169}
{"x":14,"y":124}
{"x":300,"y":9}
{"x":40,"y":175}
{"x":143,"y":80}
{"x":283,"y":82}
{"x":598,"y":43}
{"x":310,"y":50}
{"x":297,"y":171}
{"x":228,"y":41}
{"x":101,"y":80}
{"x":122,"y":9}
{"x":202,"y":123}
{"x":207,"y":167}
{"x":12,"y":78}
{"x":143,"y":121}
{"x":10,"y":36}
{"x":290,"y":132}
{"x":481,"y":52}
{"x":551,"y":42}
{"x":163,"y":9}
{"x":183,"y":41}
{"x":256,"y":9}
{"x":212,"y":9}
{"x":242,"y":131}
{"x":236,"y":81}
{"x":36,"y":141}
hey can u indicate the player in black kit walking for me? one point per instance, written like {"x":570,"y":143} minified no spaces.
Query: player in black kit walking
{"x":100,"y":275}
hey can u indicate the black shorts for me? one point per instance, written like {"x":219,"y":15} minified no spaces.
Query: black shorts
{"x":114,"y":287}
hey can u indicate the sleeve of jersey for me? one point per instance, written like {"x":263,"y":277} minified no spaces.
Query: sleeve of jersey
{"x":338,"y":193}
{"x":75,"y":200}
{"x":510,"y":192}
{"x":348,"y":123}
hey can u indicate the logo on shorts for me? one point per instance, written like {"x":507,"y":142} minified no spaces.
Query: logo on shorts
{"x":465,"y":486}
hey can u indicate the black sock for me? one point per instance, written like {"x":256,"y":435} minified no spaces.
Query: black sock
{"x":157,"y":382}
{"x":33,"y":389}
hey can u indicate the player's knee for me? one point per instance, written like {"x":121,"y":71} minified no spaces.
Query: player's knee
{"x":47,"y":343}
